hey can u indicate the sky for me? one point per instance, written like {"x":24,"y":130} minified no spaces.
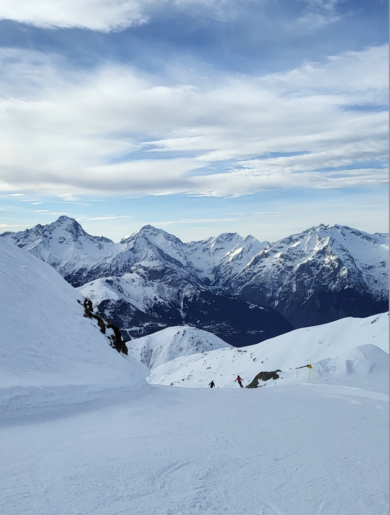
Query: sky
{"x":261,"y":117}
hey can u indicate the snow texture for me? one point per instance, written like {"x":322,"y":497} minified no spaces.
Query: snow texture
{"x":50,"y":353}
{"x":158,"y":348}
{"x":350,"y":351}
{"x":307,"y":449}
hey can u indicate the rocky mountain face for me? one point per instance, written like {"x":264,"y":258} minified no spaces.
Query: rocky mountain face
{"x":242,"y":290}
{"x":150,"y":298}
{"x":320,"y":275}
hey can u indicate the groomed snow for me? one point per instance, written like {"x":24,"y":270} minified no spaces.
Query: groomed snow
{"x":50,"y":354}
{"x":292,"y":350}
{"x":289,"y":450}
{"x":158,"y":348}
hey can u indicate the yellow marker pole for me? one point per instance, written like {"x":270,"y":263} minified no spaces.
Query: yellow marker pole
{"x":310,"y":367}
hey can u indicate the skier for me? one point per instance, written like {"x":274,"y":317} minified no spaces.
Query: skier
{"x":239,"y":380}
{"x":212,"y":384}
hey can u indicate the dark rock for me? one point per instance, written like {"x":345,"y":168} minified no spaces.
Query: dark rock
{"x":263,"y":376}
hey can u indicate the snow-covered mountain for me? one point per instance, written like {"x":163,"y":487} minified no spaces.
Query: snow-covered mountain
{"x":320,"y":275}
{"x":242,"y":290}
{"x":158,"y":348}
{"x":51,"y":354}
{"x":149,"y":299}
{"x":65,"y":246}
{"x":152,"y":280}
{"x":81,"y":258}
{"x":351,"y":352}
{"x":220,"y":258}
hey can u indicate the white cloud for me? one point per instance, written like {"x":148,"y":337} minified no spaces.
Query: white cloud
{"x":318,"y":13}
{"x":98,"y":15}
{"x":189,"y":221}
{"x":14,"y":225}
{"x":107,"y":218}
{"x":68,"y":197}
{"x":70,"y":135}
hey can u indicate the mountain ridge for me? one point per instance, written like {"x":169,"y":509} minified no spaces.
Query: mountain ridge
{"x":143,"y":282}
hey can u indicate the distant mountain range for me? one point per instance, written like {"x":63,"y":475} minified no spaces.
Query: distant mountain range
{"x":242,"y":290}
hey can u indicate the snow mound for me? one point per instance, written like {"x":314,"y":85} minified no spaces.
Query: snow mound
{"x":158,"y":348}
{"x":367,"y":366}
{"x":287,"y":352}
{"x":50,"y":353}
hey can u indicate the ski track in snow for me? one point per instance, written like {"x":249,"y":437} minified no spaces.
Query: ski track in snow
{"x":307,"y":449}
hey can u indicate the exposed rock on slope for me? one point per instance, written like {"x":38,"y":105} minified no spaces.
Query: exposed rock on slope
{"x":50,"y":353}
{"x":106,"y":327}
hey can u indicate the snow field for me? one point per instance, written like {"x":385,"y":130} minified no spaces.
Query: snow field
{"x":351,"y":351}
{"x":49,"y":353}
{"x":313,"y":449}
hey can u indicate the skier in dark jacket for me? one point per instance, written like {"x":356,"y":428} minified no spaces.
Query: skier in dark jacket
{"x":239,"y":380}
{"x":212,"y":384}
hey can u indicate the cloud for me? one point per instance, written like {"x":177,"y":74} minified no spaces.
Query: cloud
{"x":318,"y":13}
{"x":68,"y":197}
{"x":14,"y":225}
{"x":98,"y":15}
{"x":117,"y":131}
{"x":107,"y":217}
{"x":190,"y":221}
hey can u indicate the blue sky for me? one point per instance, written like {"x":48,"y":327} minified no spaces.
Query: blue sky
{"x":262,"y":117}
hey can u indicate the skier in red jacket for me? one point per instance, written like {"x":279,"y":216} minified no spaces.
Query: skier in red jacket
{"x":239,"y":380}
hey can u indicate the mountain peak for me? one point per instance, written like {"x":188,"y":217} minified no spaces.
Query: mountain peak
{"x":153,"y":234}
{"x":67,"y":224}
{"x":66,"y":219}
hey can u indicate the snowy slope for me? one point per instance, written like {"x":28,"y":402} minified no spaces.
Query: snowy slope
{"x":158,"y":348}
{"x":311,"y":449}
{"x":287,"y":352}
{"x":366,"y":366}
{"x":50,"y":353}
